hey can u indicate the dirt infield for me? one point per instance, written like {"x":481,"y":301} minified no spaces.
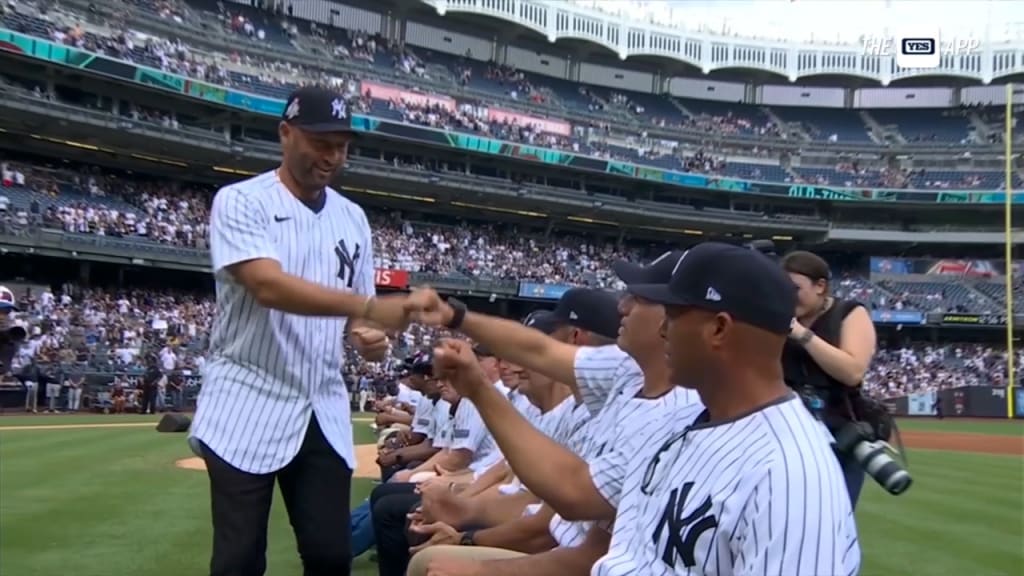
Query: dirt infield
{"x":963,"y":442}
{"x":366,"y":456}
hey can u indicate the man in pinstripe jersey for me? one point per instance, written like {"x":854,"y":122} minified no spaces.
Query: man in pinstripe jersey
{"x":747,"y":485}
{"x":293,"y":263}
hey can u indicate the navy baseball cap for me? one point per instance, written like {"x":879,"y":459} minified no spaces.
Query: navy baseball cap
{"x":747,"y":285}
{"x":543,"y":320}
{"x":482,"y":351}
{"x":592,"y":309}
{"x":316,"y":109}
{"x":659,"y":271}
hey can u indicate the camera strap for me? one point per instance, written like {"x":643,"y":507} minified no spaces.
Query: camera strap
{"x":899,"y":450}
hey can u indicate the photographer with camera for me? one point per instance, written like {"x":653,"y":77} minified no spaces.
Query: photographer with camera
{"x":831,"y":344}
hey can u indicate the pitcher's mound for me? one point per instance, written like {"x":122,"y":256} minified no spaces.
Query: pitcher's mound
{"x":191,"y":463}
{"x":366,"y":456}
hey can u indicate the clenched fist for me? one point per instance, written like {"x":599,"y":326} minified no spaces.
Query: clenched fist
{"x":455,"y":362}
{"x":370,"y":343}
{"x":425,"y":306}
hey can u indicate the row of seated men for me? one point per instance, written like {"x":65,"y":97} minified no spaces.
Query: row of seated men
{"x":444,"y":479}
{"x":451,"y":505}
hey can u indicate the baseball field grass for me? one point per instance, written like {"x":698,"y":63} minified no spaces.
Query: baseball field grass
{"x":80,"y":497}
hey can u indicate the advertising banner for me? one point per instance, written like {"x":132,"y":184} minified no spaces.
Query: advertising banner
{"x":974,"y":319}
{"x":385,"y":278}
{"x":1018,"y":402}
{"x":921,"y":404}
{"x":897,"y":317}
{"x":383,"y":92}
{"x":543,"y":124}
{"x":543,"y":291}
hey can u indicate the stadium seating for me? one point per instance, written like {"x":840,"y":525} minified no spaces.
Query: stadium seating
{"x":241,"y":25}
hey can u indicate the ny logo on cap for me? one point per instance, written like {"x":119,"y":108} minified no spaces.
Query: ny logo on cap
{"x":681,"y":258}
{"x":338,"y":109}
{"x":293,"y":109}
{"x":713,"y":295}
{"x":573,"y":315}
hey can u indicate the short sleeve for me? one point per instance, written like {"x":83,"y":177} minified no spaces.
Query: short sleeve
{"x":238,"y":229}
{"x":366,"y":277}
{"x":599,"y":369}
{"x":423,"y":417}
{"x":468,"y":432}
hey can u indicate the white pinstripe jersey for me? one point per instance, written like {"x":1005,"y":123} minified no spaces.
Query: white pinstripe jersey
{"x":269,"y":371}
{"x":470,"y":433}
{"x":423,"y":416}
{"x":562,"y":421}
{"x":441,"y":432}
{"x":762,"y":494}
{"x":523,"y":405}
{"x":611,"y":380}
{"x":559,"y":424}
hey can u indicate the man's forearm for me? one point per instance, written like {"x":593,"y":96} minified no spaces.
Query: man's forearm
{"x":293,"y":295}
{"x":499,"y":509}
{"x":526,"y":534}
{"x":553,"y":473}
{"x":492,"y":476}
{"x":524,"y":346}
{"x":559,"y":561}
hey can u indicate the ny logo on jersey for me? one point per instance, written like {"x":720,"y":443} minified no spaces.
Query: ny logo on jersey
{"x":682,"y":531}
{"x":347,"y":262}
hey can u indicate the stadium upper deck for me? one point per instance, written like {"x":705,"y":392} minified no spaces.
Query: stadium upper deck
{"x":265,"y":53}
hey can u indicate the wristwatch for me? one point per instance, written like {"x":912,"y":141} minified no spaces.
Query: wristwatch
{"x":467,"y":538}
{"x":458,"y":314}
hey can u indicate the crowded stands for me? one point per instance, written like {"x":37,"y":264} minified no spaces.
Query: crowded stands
{"x":82,"y":331}
{"x":675,"y":131}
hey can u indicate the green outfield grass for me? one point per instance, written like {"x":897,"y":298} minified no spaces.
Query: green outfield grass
{"x":106,"y":501}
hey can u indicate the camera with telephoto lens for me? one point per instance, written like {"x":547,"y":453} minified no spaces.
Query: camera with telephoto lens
{"x":875,"y":455}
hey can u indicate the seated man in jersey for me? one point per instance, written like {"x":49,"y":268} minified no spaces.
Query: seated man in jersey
{"x":406,"y":450}
{"x":396,"y":412}
{"x":469,"y":450}
{"x":402,"y":450}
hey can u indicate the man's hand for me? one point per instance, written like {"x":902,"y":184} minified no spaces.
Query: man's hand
{"x":437,"y":533}
{"x":438,"y":503}
{"x":455,"y":567}
{"x":387,"y":459}
{"x":370,"y":343}
{"x":455,"y":362}
{"x":425,"y":306}
{"x":387,"y":312}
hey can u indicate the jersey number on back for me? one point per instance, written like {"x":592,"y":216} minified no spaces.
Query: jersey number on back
{"x":347,"y":262}
{"x":682,"y":531}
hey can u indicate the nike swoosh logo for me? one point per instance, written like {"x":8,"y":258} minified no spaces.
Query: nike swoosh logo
{"x":281,"y":218}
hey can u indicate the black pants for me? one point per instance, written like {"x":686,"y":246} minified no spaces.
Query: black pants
{"x":316,"y":488}
{"x":390,"y":504}
{"x":148,"y":400}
